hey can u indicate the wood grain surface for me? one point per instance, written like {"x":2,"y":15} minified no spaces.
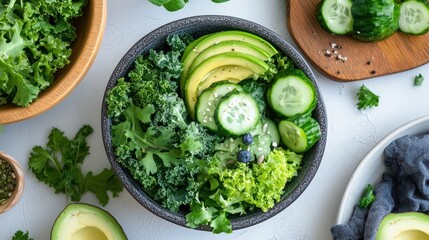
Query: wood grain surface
{"x":352,"y":60}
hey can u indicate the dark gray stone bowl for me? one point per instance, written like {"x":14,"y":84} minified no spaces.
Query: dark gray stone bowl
{"x":197,"y":26}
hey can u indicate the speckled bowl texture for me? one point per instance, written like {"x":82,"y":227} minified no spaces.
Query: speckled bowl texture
{"x":198,"y":26}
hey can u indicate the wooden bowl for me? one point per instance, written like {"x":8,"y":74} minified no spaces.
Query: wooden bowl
{"x":19,"y":187}
{"x":90,"y":30}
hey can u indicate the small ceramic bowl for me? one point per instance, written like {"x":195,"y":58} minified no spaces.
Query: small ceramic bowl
{"x":198,"y":26}
{"x":90,"y":30}
{"x":19,"y":187}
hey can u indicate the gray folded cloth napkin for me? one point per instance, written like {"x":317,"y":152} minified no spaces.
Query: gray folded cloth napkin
{"x":403,"y":189}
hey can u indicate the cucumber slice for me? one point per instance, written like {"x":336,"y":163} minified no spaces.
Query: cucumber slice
{"x":208,"y":101}
{"x":269,"y":127}
{"x":236,"y":113}
{"x":299,"y":133}
{"x":414,"y":17}
{"x":291,"y":93}
{"x":335,"y":16}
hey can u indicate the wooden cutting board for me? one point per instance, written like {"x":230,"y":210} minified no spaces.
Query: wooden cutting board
{"x":348,"y":59}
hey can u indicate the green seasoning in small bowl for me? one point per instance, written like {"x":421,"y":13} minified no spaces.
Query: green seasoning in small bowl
{"x":11,"y":182}
{"x":7,"y":181}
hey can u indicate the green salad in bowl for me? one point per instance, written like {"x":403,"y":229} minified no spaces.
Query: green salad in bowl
{"x":213,"y":129}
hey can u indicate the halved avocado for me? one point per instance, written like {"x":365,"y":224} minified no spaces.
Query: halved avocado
{"x":80,"y":221}
{"x":404,"y":226}
{"x":204,"y":42}
{"x":232,"y":73}
{"x":207,"y":66}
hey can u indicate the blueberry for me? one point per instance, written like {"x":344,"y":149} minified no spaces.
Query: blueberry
{"x":247,"y":139}
{"x":244,"y":156}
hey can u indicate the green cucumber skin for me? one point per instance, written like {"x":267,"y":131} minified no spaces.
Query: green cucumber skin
{"x":374,"y":20}
{"x":311,"y":128}
{"x":307,"y":126}
{"x":291,"y":72}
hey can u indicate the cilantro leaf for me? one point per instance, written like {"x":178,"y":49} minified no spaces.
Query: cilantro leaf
{"x":366,"y":98}
{"x":59,"y":166}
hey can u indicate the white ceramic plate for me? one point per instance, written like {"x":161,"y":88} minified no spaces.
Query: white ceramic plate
{"x":372,"y":166}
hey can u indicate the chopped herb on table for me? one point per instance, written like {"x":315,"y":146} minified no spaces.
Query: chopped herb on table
{"x":20,"y":235}
{"x":7,"y":180}
{"x":59,"y":166}
{"x":418,"y":80}
{"x":366,"y":98}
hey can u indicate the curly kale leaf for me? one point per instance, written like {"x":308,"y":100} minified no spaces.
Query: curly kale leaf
{"x":35,"y":42}
{"x":178,"y":186}
{"x":197,"y":141}
{"x":172,"y":111}
{"x":117,"y":99}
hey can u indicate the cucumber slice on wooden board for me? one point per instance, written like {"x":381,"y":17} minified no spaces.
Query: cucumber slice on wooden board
{"x":335,"y":16}
{"x":414,"y":17}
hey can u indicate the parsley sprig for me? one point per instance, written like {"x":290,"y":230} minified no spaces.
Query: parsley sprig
{"x":20,"y":235}
{"x":366,"y":98}
{"x":59,"y":166}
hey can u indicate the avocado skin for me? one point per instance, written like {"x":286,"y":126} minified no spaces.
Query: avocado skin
{"x":64,"y":222}
{"x":404,"y":226}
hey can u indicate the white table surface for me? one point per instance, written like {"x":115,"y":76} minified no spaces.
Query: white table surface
{"x":351,"y":133}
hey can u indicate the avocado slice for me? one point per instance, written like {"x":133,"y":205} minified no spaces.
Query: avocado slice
{"x":86,"y":222}
{"x":232,"y":74}
{"x":202,"y":71}
{"x":404,"y":226}
{"x":191,"y":46}
{"x":204,"y":42}
{"x":229,"y":46}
